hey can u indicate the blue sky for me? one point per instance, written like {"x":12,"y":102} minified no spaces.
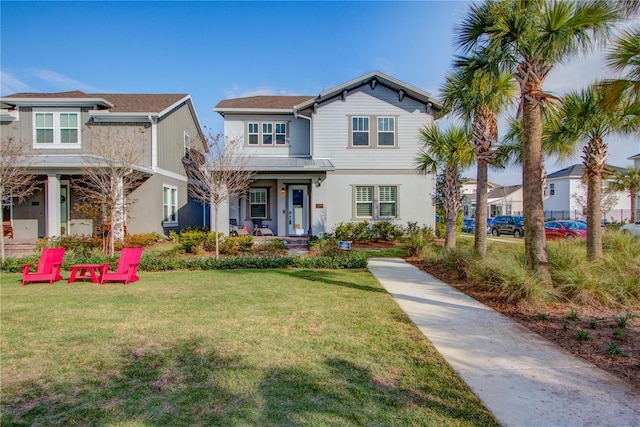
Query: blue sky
{"x":217,"y":50}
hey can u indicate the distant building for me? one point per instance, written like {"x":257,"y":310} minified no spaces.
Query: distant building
{"x":469,"y":196}
{"x":507,"y":200}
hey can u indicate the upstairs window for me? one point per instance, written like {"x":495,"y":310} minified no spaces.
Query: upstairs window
{"x":552,"y":189}
{"x":360,"y":131}
{"x":281,"y":133}
{"x":386,"y":131}
{"x":56,"y":129}
{"x":253,"y":133}
{"x":267,"y":133}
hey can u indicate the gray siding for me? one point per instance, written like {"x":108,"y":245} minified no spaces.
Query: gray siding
{"x":171,"y":129}
{"x":298,"y":132}
{"x":331,"y":130}
{"x":91,"y":134}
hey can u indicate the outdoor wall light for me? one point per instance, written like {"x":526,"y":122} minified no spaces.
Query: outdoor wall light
{"x":283,"y":190}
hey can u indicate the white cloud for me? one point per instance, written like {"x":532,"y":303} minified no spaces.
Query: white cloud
{"x":57,"y":81}
{"x":9,"y":84}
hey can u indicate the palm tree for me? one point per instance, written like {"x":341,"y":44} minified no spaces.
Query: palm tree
{"x":583,"y":118}
{"x":452,"y":151}
{"x":531,"y":37}
{"x":478,"y":96}
{"x":624,"y":57}
{"x":628,"y":181}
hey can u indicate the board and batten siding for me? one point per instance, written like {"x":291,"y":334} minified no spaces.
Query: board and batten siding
{"x":91,"y":133}
{"x":331,"y":129}
{"x":171,"y":129}
{"x":235,"y":129}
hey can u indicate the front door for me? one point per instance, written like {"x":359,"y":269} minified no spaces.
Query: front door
{"x":298,"y":210}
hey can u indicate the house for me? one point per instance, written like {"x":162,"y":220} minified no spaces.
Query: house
{"x":636,"y":161}
{"x":61,"y":132}
{"x":507,"y":200}
{"x":566,"y":195}
{"x":345,"y":155}
{"x":469,"y":195}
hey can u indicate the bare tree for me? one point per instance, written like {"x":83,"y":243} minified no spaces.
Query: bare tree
{"x":608,"y":201}
{"x":16,"y":182}
{"x":110,"y":175}
{"x":218,"y":175}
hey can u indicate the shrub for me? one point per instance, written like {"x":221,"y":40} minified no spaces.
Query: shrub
{"x":190,"y":240}
{"x":141,"y":240}
{"x":324,"y":246}
{"x":385,"y":230}
{"x":353,"y":231}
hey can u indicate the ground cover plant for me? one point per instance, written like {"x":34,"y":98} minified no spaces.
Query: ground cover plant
{"x":240,"y":347}
{"x":582,"y":310}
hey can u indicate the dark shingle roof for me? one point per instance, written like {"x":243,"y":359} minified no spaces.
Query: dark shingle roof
{"x":262,"y":102}
{"x":502,"y":191}
{"x":577,"y":170}
{"x":123,"y":103}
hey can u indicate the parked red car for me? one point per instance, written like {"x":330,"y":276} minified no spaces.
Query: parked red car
{"x":565,"y":230}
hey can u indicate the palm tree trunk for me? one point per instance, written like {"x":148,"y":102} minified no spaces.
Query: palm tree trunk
{"x":480,"y":238}
{"x":535,"y":242}
{"x":594,"y":158}
{"x":634,"y":207}
{"x":452,"y":205}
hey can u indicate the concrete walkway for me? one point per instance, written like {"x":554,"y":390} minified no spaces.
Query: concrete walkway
{"x":522,"y":378}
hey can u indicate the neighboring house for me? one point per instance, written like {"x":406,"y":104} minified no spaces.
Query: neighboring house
{"x":59,"y":130}
{"x":468,"y":191}
{"x":507,"y":200}
{"x":566,"y":195}
{"x":348,"y":154}
{"x":636,"y":160}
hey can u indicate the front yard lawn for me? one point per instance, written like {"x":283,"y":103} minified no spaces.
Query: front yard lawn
{"x":241,"y":347}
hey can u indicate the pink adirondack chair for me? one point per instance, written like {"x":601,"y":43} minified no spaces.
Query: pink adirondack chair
{"x":48,"y":269}
{"x":127,"y":270}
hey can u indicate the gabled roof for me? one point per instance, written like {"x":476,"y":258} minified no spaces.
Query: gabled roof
{"x":577,"y":171}
{"x":385,"y":80}
{"x":636,"y":157}
{"x":294,"y":104}
{"x":114,"y":102}
{"x":501,"y":192}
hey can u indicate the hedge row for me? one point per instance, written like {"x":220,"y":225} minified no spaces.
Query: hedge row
{"x":149,"y":263}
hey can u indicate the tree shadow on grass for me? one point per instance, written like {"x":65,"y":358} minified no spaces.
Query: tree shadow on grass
{"x":180,"y":385}
{"x":352,"y":396}
{"x":325,"y":276}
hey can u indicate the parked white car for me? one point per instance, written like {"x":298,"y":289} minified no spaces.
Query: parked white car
{"x":631,"y":228}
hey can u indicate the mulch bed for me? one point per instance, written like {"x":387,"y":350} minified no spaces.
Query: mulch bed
{"x":556,"y":324}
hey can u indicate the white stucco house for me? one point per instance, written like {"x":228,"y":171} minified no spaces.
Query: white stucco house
{"x":469,"y":195}
{"x":566,"y":189}
{"x":345,"y":155}
{"x":507,"y":200}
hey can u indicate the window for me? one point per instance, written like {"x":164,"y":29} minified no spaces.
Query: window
{"x":253,"y":134}
{"x":281,"y":133}
{"x":56,"y":129}
{"x":364,"y":202}
{"x":360,"y":129}
{"x":267,"y":133}
{"x":258,"y":203}
{"x":387,"y":199}
{"x":170,"y":205}
{"x":552,"y":189}
{"x":187,"y":144}
{"x":386,"y":131}
{"x":376,"y":202}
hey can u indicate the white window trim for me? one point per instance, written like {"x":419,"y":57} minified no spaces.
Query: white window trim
{"x":392,"y":132}
{"x":260,"y":134}
{"x":372,"y":202}
{"x":266,"y":203}
{"x":187,"y":144}
{"x":376,"y":203}
{"x":368,"y":131}
{"x":165,"y":222}
{"x":56,"y":144}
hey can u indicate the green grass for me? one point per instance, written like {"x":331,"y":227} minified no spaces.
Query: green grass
{"x":267,"y":347}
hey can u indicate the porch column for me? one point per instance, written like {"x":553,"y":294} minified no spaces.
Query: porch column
{"x":53,"y":205}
